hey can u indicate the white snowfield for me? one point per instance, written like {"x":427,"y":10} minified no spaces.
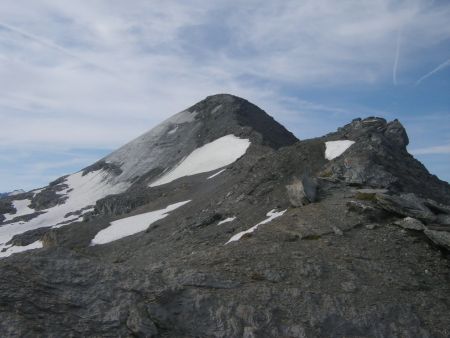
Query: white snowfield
{"x":22,"y":209}
{"x":82,"y":191}
{"x":227,"y":220}
{"x":336,"y":148}
{"x":132,"y":225}
{"x":211,"y":156}
{"x":271,"y":215}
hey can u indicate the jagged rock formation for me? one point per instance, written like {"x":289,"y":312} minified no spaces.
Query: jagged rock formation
{"x":345,"y":235}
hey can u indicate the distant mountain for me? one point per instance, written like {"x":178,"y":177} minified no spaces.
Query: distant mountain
{"x":219,"y":222}
{"x":12,"y":193}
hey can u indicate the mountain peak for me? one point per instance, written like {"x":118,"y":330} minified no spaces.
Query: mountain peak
{"x":210,"y":119}
{"x":232,"y":114}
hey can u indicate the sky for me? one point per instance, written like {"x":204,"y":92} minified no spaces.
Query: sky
{"x":80,"y":78}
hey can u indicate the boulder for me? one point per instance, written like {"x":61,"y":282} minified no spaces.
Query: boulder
{"x":301,"y":192}
{"x":440,"y":238}
{"x":407,"y":205}
{"x":396,"y":133}
{"x":443,"y":219}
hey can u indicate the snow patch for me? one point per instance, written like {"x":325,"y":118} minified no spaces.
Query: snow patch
{"x":171,"y":131}
{"x":271,"y":215}
{"x":84,"y":191}
{"x":22,"y":209}
{"x":36,"y":191}
{"x":216,"y":109}
{"x":217,"y":173}
{"x":15,"y":248}
{"x":336,"y":148}
{"x":227,"y":220}
{"x":131,"y":225}
{"x":211,"y":156}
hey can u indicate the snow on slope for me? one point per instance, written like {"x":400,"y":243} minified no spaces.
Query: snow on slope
{"x":227,"y":220}
{"x":211,"y":156}
{"x":215,"y":174}
{"x":271,"y":215}
{"x":131,"y":225}
{"x":82,"y":191}
{"x":22,"y":209}
{"x":336,"y":148}
{"x":16,"y":249}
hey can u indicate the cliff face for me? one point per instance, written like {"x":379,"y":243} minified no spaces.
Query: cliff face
{"x":219,"y":222}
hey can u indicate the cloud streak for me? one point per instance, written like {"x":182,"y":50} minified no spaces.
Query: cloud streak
{"x":397,"y":55}
{"x":51,"y":45}
{"x":442,"y":66}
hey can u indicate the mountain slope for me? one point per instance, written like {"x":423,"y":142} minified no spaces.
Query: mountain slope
{"x":143,"y":160}
{"x":219,"y":222}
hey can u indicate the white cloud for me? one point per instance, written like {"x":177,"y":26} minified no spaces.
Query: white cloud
{"x":441,"y":149}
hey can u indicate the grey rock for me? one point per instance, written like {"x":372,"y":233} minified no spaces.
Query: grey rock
{"x":6,"y":207}
{"x":437,"y":208}
{"x":372,"y":191}
{"x":366,"y":209}
{"x":29,"y":237}
{"x":379,"y":159}
{"x":102,"y":165}
{"x":443,"y":219}
{"x":440,"y":238}
{"x":396,"y":134}
{"x":301,"y":192}
{"x":371,"y":226}
{"x":405,"y":205}
{"x":337,"y":231}
{"x":410,"y":224}
{"x":139,"y":324}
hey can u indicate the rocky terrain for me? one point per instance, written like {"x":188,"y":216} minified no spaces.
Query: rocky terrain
{"x":221,"y":223}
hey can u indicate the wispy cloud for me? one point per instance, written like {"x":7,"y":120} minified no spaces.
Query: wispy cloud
{"x":51,"y":45}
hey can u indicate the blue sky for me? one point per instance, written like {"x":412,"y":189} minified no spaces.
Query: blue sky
{"x":80,"y":78}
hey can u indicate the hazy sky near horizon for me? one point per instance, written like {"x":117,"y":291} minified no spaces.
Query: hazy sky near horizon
{"x":80,"y":78}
